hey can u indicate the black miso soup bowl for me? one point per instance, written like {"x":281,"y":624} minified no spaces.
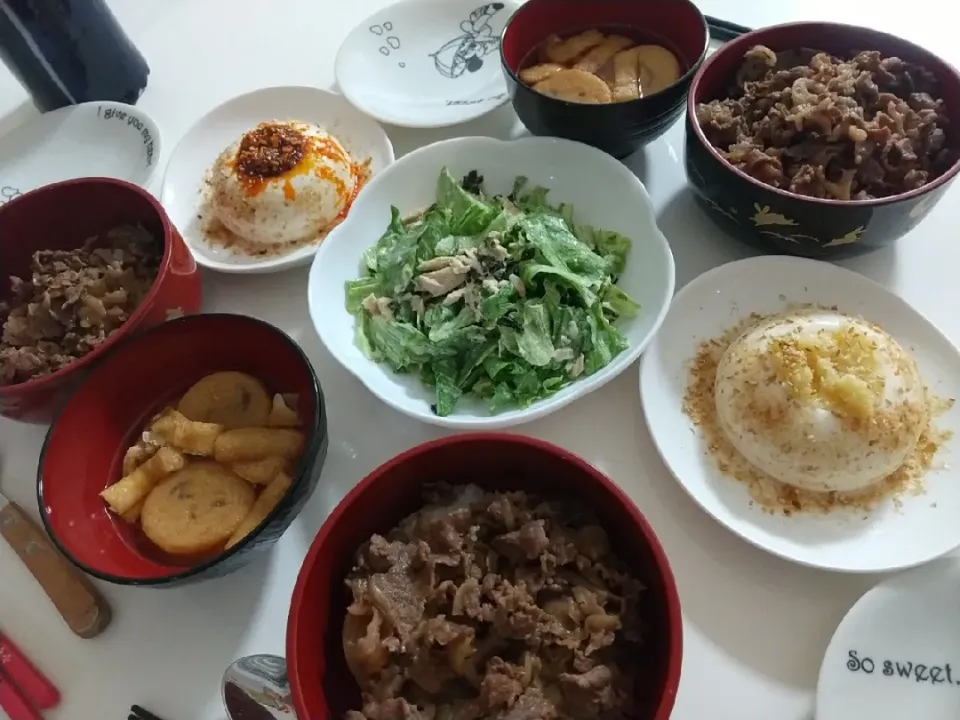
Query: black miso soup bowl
{"x":618,"y":128}
{"x":777,"y":221}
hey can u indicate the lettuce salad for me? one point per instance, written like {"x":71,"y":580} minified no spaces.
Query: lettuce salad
{"x":505,"y":298}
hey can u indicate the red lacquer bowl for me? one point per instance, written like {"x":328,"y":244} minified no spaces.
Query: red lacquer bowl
{"x":321,"y":683}
{"x":84,"y":448}
{"x":618,"y":128}
{"x":63,"y":216}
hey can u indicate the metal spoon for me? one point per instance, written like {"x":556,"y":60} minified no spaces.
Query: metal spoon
{"x":257,"y":688}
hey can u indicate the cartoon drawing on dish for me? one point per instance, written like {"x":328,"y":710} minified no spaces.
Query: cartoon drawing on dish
{"x":763,"y":216}
{"x":477,"y":101}
{"x":8,"y":193}
{"x":392,"y":41}
{"x":465,"y":52}
{"x":851,"y":237}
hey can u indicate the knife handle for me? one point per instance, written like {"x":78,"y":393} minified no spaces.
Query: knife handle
{"x":14,"y":702}
{"x":78,"y":602}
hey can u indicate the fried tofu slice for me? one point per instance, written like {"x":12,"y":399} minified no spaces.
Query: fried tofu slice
{"x":575,"y":86}
{"x":249,"y":444}
{"x":130,"y":490}
{"x":598,"y":56}
{"x":193,"y":438}
{"x":538,"y":73}
{"x":564,"y":52}
{"x":259,"y":472}
{"x":659,"y":68}
{"x":264,"y":505}
{"x":626,"y":75}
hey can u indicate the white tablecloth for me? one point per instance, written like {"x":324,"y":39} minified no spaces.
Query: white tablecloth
{"x":755,"y":626}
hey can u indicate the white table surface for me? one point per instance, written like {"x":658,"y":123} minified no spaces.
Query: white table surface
{"x":755,"y":626}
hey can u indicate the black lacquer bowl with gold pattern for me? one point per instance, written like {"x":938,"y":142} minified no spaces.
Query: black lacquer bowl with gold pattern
{"x":777,"y":221}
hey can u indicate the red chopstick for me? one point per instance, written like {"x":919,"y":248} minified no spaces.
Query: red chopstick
{"x":14,"y":702}
{"x":20,"y":672}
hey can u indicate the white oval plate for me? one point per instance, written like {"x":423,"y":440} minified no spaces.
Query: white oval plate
{"x":184,"y":193}
{"x":95,"y":139}
{"x":923,"y":527}
{"x":426,"y":63}
{"x":604,"y":194}
{"x":896,"y":654}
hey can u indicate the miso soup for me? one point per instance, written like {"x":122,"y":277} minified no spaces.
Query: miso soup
{"x":601,"y":66}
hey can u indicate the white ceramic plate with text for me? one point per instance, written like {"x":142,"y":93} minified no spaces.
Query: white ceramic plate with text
{"x":604,"y":194}
{"x":95,"y":139}
{"x":184,"y":192}
{"x":426,"y":63}
{"x":896,"y":654}
{"x":896,"y":535}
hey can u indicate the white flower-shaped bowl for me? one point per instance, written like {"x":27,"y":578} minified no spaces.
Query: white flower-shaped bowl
{"x":604,"y":194}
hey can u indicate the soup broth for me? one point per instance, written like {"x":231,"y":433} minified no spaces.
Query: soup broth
{"x":602,"y":65}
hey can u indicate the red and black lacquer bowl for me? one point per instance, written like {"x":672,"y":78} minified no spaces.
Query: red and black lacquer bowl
{"x":778,"y":221}
{"x":63,"y":216}
{"x":321,"y":683}
{"x":617,"y":128}
{"x":84,"y":449}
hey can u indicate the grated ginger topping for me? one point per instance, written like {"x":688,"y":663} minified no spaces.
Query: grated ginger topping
{"x":838,"y":369}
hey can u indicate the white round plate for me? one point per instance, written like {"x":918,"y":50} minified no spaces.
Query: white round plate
{"x":604,"y":194}
{"x":95,"y":139}
{"x":184,"y":195}
{"x":426,"y":63}
{"x":896,"y":653}
{"x":891,"y":537}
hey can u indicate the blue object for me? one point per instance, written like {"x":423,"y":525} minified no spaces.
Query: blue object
{"x":70,"y":51}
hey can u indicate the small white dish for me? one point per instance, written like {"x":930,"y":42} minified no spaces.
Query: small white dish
{"x":604,"y":194}
{"x":896,"y":535}
{"x":896,"y":654}
{"x":184,"y":192}
{"x":94,"y":139}
{"x":426,"y":63}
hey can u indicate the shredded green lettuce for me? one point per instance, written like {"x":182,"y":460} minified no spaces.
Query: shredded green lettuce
{"x":505,"y":298}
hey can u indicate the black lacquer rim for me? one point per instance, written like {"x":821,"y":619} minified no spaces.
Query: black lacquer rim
{"x":317,"y":436}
